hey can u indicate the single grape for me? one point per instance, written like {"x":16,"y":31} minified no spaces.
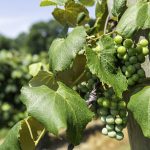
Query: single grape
{"x":103,"y":111}
{"x":139,"y":49}
{"x":124,"y":69}
{"x":100,"y":101}
{"x":121,"y":50}
{"x":118,"y":39}
{"x":107,"y":94}
{"x":119,"y":136}
{"x":127,"y":63}
{"x":128,"y":43}
{"x":104,"y":131}
{"x":133,"y":60}
{"x":135,"y":77}
{"x":114,"y":112}
{"x":131,"y":82}
{"x":119,"y":56}
{"x":110,"y":127}
{"x":123,"y":113}
{"x":115,"y":98}
{"x":137,"y":65}
{"x":113,"y":105}
{"x":103,"y":119}
{"x":131,"y":69}
{"x":125,"y":57}
{"x":141,"y":72}
{"x":106,"y":103}
{"x":110,"y":119}
{"x":122,"y":105}
{"x":127,"y":74}
{"x":131,"y":52}
{"x":118,"y":128}
{"x":118,"y":121}
{"x":141,"y":58}
{"x":145,"y":51}
{"x":112,"y":134}
{"x":143,"y":42}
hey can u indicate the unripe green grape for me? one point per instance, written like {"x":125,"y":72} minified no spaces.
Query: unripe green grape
{"x":125,"y":57}
{"x":119,"y":56}
{"x":139,"y":49}
{"x":124,"y":69}
{"x":113,"y":105}
{"x":141,"y":58}
{"x":110,"y":91}
{"x":131,"y":52}
{"x":143,"y":43}
{"x":141,"y":72}
{"x":110,"y":119}
{"x":118,"y":121}
{"x":119,"y":136}
{"x":104,"y":131}
{"x":122,"y":105}
{"x":128,"y":43}
{"x":106,"y":103}
{"x":118,"y":39}
{"x":103,"y":119}
{"x":110,"y":127}
{"x":114,"y":112}
{"x":115,"y":98}
{"x":84,"y":89}
{"x":123,"y":113}
{"x":88,"y":75}
{"x":103,"y":111}
{"x":127,"y":63}
{"x":131,"y":69}
{"x":112,"y":134}
{"x":100,"y":101}
{"x":121,"y":50}
{"x":145,"y":51}
{"x":137,"y":65}
{"x":124,"y":120}
{"x":131,"y":82}
{"x":133,"y":60}
{"x":107,"y":94}
{"x":118,"y":128}
{"x":135,"y":77}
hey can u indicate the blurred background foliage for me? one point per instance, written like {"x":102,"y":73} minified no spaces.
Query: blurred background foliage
{"x":15,"y":57}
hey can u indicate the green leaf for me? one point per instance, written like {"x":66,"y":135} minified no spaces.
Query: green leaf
{"x":11,"y":141}
{"x":119,"y":6}
{"x":135,"y":17}
{"x":139,"y":105}
{"x":69,"y":15}
{"x":63,"y":51}
{"x":25,"y":135}
{"x":101,"y":13}
{"x":36,"y":67}
{"x":87,"y":2}
{"x":103,"y":65}
{"x":44,"y":78}
{"x":75,"y":74}
{"x":63,"y":109}
{"x":52,"y":2}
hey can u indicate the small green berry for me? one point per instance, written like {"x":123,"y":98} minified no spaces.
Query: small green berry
{"x":145,"y":51}
{"x":118,"y":39}
{"x":128,"y":43}
{"x":121,"y":50}
{"x":143,"y":42}
{"x":104,"y":131}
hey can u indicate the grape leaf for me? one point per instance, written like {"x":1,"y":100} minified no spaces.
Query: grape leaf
{"x":63,"y":109}
{"x":63,"y":51}
{"x":104,"y":65}
{"x":53,"y":2}
{"x":24,"y":135}
{"x":44,"y":78}
{"x":119,"y":6}
{"x":36,"y":67}
{"x":11,"y":141}
{"x":75,"y":74}
{"x":139,"y":105}
{"x":135,"y":17}
{"x":87,"y":2}
{"x":69,"y":15}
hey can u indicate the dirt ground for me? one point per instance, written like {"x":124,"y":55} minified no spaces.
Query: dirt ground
{"x":93,"y":140}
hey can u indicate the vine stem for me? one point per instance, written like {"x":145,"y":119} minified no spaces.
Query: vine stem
{"x":70,"y":147}
{"x":106,"y":23}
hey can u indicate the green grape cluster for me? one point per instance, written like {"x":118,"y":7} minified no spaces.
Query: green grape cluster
{"x":113,"y":113}
{"x":131,"y":56}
